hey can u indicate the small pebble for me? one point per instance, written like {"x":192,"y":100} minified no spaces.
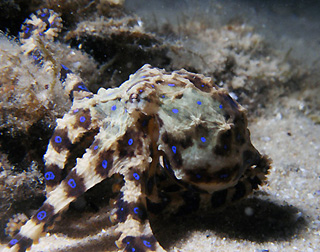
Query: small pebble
{"x":249,"y":211}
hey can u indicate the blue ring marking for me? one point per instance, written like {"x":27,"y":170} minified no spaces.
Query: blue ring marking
{"x":225,"y":175}
{"x":133,"y":249}
{"x":203,"y":139}
{"x":199,"y":102}
{"x":174,"y":149}
{"x":163,"y":96}
{"x":76,"y":110}
{"x":136,"y":210}
{"x":130,"y":142}
{"x":136,"y":176}
{"x":43,"y":14}
{"x":58,"y":139}
{"x":104,"y":164}
{"x":144,"y":123}
{"x":147,"y":244}
{"x":27,"y":30}
{"x":82,"y":87}
{"x":140,"y":90}
{"x":49,"y":175}
{"x":225,"y":147}
{"x":82,"y":119}
{"x":143,"y":76}
{"x":13,"y":242}
{"x":152,"y":85}
{"x":166,"y":164}
{"x":114,"y":107}
{"x":198,"y":176}
{"x":175,"y":110}
{"x":64,"y":67}
{"x":220,"y":106}
{"x":202,"y":85}
{"x":171,"y":85}
{"x":96,"y":147}
{"x":72,"y":183}
{"x":41,"y":215}
{"x":40,"y":33}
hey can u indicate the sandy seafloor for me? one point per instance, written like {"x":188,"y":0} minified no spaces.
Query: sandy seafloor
{"x":282,"y":216}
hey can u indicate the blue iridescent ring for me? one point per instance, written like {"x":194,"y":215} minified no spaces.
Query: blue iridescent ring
{"x":104,"y":164}
{"x":41,"y":215}
{"x":82,"y":119}
{"x":136,"y":176}
{"x":13,"y":242}
{"x":49,"y":175}
{"x":72,"y":183}
{"x":58,"y":139}
{"x":146,"y":243}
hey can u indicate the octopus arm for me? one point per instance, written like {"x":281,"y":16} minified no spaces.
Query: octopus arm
{"x":68,"y":132}
{"x":130,"y":214}
{"x":81,"y":178}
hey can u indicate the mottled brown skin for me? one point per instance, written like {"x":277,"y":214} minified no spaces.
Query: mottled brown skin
{"x":178,"y":141}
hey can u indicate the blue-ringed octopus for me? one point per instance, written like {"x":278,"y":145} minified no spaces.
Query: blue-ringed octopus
{"x":177,"y":141}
